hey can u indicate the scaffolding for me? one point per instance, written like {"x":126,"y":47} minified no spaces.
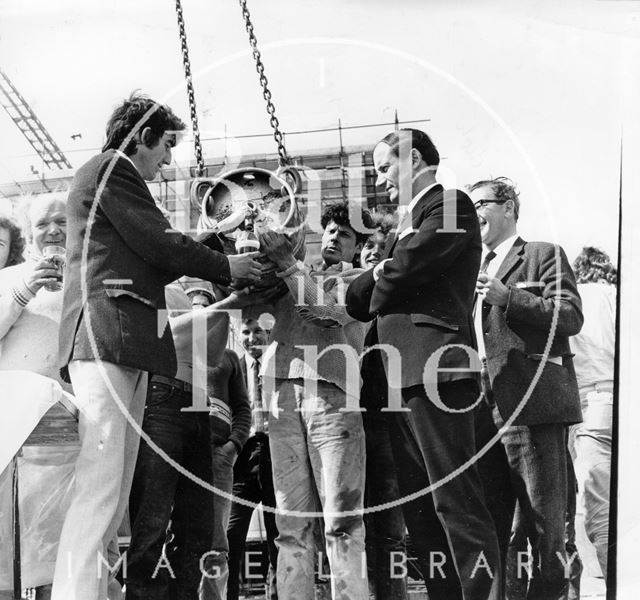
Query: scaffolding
{"x":344,"y":171}
{"x":30,"y":126}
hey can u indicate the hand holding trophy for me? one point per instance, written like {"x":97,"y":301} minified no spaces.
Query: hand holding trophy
{"x":243,"y":205}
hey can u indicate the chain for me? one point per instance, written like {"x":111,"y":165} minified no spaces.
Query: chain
{"x":266,"y":93}
{"x":192,"y":99}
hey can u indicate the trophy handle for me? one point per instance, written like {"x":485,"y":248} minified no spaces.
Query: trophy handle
{"x":292,"y":176}
{"x":196,"y":193}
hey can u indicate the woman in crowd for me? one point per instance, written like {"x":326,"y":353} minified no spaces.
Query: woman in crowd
{"x":11,"y":243}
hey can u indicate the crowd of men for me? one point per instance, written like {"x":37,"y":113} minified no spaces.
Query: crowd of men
{"x":418,"y":377}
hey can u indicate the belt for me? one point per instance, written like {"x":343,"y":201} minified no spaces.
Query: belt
{"x":556,"y":360}
{"x":599,"y":386}
{"x":183,"y":386}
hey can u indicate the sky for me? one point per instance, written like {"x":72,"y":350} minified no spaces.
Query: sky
{"x":530,"y":90}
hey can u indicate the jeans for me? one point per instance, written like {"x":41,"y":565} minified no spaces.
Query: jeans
{"x":215,"y":569}
{"x":537,"y":457}
{"x":385,"y":529}
{"x":160,"y":494}
{"x":252,"y":481}
{"x":318,"y":458}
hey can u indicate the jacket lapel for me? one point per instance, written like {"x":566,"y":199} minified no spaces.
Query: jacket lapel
{"x":511,"y":260}
{"x":408,"y":220}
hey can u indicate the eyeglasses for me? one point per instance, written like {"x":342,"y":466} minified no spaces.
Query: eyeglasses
{"x":483,"y":203}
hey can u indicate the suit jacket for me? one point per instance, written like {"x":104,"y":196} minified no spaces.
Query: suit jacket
{"x":112,"y":299}
{"x":424,"y":296}
{"x":542,"y":287}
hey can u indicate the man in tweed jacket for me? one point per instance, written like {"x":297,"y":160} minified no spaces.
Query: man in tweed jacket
{"x":528,"y":305}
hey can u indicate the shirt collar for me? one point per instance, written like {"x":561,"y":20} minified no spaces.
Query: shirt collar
{"x":420,"y":195}
{"x":250,"y":360}
{"x":501,"y":251}
{"x":123,"y":155}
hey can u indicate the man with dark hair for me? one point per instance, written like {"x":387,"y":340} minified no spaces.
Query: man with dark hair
{"x":415,"y":139}
{"x":315,"y":429}
{"x":121,"y":252}
{"x":338,"y":215}
{"x":132,"y":114}
{"x":421,"y":295}
{"x":528,"y":306}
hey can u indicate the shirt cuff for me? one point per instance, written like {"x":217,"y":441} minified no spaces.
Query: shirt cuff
{"x":290,"y":271}
{"x":22,"y":294}
{"x":378,"y":268}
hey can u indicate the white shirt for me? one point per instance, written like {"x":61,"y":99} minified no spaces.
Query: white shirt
{"x":258,"y":413}
{"x":251,"y":384}
{"x":594,"y":346}
{"x":501,"y":251}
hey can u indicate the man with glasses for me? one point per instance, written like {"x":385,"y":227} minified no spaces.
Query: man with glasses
{"x":527,"y":307}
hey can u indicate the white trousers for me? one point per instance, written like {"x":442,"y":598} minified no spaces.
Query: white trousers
{"x":108,"y":396}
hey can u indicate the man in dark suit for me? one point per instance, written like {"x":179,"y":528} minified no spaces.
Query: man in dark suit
{"x":252,"y":472}
{"x":421,"y":296}
{"x":121,"y":252}
{"x":528,"y":306}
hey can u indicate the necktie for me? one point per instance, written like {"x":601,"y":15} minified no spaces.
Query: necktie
{"x":487,"y":259}
{"x":477,"y":317}
{"x":257,"y":415}
{"x":483,"y":269}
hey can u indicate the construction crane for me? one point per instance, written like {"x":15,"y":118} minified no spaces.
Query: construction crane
{"x":31,"y":127}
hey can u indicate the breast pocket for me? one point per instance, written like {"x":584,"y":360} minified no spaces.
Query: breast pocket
{"x":422,"y":320}
{"x":533,"y":287}
{"x":120,"y":293}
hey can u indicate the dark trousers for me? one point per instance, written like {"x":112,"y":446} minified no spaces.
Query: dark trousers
{"x":537,"y":457}
{"x":160,"y":494}
{"x":519,"y":582}
{"x":252,"y":481}
{"x":451,"y":530}
{"x":495,"y":475}
{"x":385,"y":529}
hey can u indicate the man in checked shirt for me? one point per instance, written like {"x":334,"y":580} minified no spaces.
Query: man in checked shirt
{"x":317,"y":449}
